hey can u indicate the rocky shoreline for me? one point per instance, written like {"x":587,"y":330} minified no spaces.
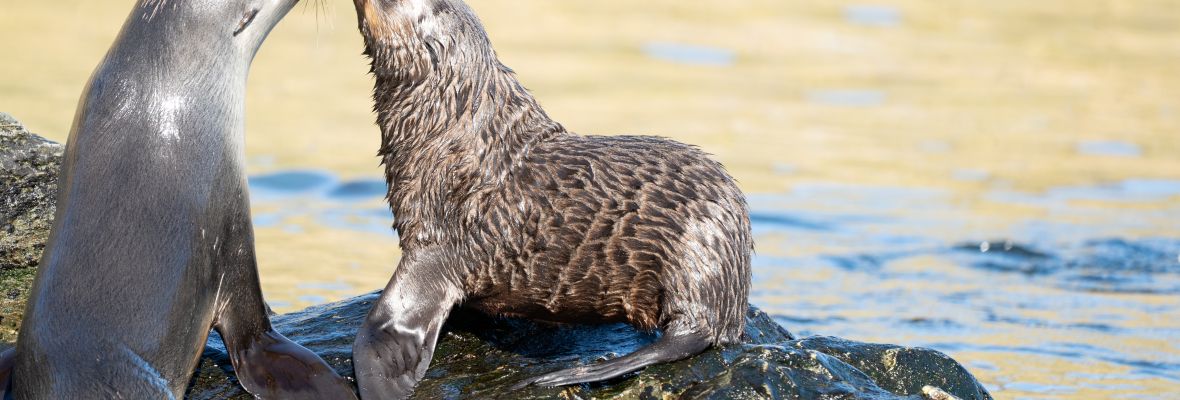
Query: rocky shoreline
{"x":480,"y":357}
{"x":28,"y":190}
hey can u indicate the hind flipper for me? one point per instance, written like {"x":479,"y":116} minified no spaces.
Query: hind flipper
{"x":394,"y":346}
{"x":267,"y":364}
{"x":670,"y":347}
{"x":270,"y":366}
{"x":7,"y":362}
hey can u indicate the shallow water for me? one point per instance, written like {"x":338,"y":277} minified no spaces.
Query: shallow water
{"x":884,"y":146}
{"x":873,"y":15}
{"x":689,"y":54}
{"x":1092,"y":306}
{"x":1089,"y":296}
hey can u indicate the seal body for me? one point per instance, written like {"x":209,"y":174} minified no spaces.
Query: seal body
{"x":503,"y":210}
{"x":152,"y":244}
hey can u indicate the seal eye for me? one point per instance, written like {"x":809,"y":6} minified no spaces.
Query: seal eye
{"x":246,"y":20}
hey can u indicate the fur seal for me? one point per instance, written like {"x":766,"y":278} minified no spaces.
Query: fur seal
{"x":152,"y":243}
{"x":502,"y":210}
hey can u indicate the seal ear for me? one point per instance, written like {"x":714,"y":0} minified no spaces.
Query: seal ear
{"x":247,"y":18}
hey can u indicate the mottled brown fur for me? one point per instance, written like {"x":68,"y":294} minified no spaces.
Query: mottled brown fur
{"x":540,"y":222}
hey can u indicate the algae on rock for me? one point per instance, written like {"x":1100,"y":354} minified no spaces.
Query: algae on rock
{"x":28,"y":192}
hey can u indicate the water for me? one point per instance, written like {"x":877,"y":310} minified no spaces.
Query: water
{"x":1113,"y":148}
{"x":689,"y":54}
{"x":882,"y":145}
{"x":288,"y":182}
{"x":1095,"y":301}
{"x":873,"y":15}
{"x":1129,"y":190}
{"x":970,"y":174}
{"x":847,"y":97}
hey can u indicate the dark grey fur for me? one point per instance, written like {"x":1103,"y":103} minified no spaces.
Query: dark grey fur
{"x":152,"y":243}
{"x":501,"y":209}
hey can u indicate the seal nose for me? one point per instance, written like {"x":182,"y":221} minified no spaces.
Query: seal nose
{"x":378,"y":18}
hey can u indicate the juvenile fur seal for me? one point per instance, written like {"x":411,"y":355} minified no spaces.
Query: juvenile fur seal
{"x":502,"y":210}
{"x":152,"y":243}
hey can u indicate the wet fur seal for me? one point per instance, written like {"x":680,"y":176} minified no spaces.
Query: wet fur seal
{"x":152,"y":243}
{"x":502,"y":210}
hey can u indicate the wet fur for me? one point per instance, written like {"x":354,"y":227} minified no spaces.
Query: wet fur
{"x":152,"y":244}
{"x":503,"y":210}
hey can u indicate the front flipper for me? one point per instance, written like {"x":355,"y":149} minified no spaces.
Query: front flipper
{"x":394,"y":346}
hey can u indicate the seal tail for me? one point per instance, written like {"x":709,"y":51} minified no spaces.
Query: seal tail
{"x":670,"y":347}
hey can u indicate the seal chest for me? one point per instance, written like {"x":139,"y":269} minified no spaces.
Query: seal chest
{"x":152,"y":245}
{"x":503,"y":210}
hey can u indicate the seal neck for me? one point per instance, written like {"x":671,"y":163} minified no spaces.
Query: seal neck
{"x":450,"y":133}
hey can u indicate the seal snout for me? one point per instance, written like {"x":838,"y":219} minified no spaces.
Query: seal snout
{"x":376,"y":20}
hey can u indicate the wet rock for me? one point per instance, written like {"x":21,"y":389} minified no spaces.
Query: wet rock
{"x":480,"y":357}
{"x":28,"y":187}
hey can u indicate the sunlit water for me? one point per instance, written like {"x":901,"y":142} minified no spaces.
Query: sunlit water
{"x":996,"y":180}
{"x":1082,"y":295}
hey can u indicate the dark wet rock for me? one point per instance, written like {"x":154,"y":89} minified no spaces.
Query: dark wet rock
{"x":480,"y":357}
{"x":28,"y":187}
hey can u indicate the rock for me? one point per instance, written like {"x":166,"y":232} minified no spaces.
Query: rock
{"x":28,"y":190}
{"x":480,"y":357}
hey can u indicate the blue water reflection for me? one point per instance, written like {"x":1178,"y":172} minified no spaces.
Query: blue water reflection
{"x":289,"y":182}
{"x":1109,"y":148}
{"x":354,"y":205}
{"x":689,"y":54}
{"x":873,"y":15}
